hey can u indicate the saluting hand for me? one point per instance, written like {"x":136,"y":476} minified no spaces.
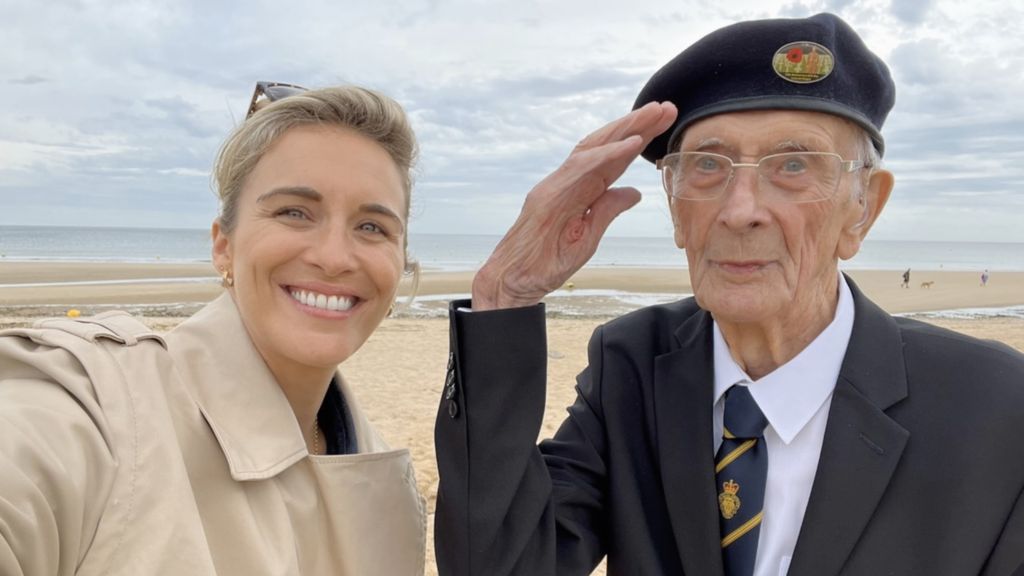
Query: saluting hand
{"x":566,"y":214}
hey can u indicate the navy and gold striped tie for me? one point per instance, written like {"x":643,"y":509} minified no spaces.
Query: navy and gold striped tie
{"x":741,"y":468}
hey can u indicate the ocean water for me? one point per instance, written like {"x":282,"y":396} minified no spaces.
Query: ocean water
{"x":468,"y":252}
{"x":73,"y":244}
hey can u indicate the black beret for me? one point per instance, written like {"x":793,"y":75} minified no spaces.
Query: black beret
{"x":817,"y":63}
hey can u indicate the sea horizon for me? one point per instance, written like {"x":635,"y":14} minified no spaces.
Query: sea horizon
{"x":463,"y":252}
{"x":466,"y":252}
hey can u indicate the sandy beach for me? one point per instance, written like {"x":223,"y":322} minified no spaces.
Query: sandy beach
{"x":400,"y":391}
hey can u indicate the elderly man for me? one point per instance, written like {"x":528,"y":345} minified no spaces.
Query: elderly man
{"x":778,"y":422}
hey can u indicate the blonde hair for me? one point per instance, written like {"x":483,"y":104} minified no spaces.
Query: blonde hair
{"x":362,"y":110}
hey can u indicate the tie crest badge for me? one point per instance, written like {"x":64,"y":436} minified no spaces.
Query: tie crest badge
{"x":728,"y":501}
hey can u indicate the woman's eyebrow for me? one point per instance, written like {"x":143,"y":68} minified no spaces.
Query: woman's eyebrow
{"x":303,"y":191}
{"x":383,"y":210}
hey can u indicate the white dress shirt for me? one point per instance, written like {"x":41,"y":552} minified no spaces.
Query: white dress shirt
{"x":795,"y":399}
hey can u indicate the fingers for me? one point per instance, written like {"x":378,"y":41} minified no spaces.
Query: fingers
{"x":607,"y":152}
{"x":648,"y":121}
{"x":586,"y":174}
{"x":608,"y":207}
{"x":610,"y":160}
{"x":566,"y":214}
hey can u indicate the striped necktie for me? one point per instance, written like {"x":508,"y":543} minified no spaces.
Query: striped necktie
{"x":741,"y":468}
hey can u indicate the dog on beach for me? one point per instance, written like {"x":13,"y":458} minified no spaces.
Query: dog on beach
{"x":927,"y":284}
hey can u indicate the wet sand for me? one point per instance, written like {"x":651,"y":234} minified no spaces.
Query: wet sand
{"x":82,"y":285}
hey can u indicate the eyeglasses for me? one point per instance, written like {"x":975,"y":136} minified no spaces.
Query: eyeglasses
{"x":267,"y":92}
{"x":789,"y":177}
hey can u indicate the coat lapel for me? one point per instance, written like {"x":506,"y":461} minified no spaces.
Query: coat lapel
{"x":683,"y":388}
{"x":862,"y":445}
{"x":236,"y":392}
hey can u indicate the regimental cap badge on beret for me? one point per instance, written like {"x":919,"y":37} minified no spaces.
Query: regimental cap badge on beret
{"x":803,"y":62}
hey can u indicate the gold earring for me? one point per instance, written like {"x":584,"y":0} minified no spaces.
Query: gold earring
{"x":225,"y":278}
{"x":391,"y":310}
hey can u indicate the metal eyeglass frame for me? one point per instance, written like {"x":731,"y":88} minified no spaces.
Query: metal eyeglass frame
{"x":845,"y":166}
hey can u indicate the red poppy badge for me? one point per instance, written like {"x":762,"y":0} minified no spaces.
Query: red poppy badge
{"x":803,"y":62}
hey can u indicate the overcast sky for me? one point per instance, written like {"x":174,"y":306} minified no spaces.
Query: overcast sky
{"x":112,"y":112}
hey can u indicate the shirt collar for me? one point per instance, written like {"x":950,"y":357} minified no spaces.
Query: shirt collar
{"x":791,"y":394}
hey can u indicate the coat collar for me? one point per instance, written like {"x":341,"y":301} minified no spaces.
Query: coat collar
{"x":239,"y":396}
{"x":862,"y":447}
{"x":874,"y":363}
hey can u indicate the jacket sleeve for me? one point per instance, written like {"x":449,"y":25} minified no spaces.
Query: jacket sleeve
{"x":506,"y":506}
{"x":56,"y":469}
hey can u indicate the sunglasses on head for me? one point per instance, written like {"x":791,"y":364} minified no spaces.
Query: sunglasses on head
{"x":267,"y":92}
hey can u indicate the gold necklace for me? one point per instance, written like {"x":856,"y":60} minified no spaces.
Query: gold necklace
{"x":316,"y":435}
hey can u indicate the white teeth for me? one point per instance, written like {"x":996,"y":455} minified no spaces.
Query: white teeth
{"x":322,"y":301}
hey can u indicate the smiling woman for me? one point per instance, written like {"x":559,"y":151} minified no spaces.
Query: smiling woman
{"x":232,"y":445}
{"x":315,"y":254}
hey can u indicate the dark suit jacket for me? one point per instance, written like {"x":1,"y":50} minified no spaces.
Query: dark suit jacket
{"x":921,"y":471}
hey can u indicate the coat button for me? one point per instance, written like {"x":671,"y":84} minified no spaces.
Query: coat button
{"x":453,"y":408}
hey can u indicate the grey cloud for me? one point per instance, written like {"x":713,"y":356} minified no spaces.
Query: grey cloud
{"x":176,"y":112}
{"x":88,"y":198}
{"x":28,"y":80}
{"x":495,"y":139}
{"x":939,"y":135}
{"x":413,"y":15}
{"x":524,"y":90}
{"x":938,"y":80}
{"x":911,"y":11}
{"x":133,"y":110}
{"x":573,"y":83}
{"x":794,"y":10}
{"x":838,"y":5}
{"x":922,"y":62}
{"x":948,"y":165}
{"x":531,"y":106}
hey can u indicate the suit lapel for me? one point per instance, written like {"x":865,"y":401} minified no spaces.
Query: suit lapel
{"x":683,"y":388}
{"x":862,"y":445}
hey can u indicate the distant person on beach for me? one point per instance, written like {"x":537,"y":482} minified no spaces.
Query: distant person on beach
{"x":778,"y":422}
{"x":231,"y":445}
{"x":906,"y":279}
{"x":984,"y":278}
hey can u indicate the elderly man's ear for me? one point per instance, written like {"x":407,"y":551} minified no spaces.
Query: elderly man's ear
{"x":863,"y":210}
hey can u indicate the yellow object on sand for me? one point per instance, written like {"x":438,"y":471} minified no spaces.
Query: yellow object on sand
{"x":73,"y":313}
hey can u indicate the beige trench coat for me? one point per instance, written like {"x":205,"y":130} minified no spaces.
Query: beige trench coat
{"x":117,"y":457}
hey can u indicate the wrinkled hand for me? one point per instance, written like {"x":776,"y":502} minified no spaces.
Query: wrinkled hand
{"x":565,"y":215}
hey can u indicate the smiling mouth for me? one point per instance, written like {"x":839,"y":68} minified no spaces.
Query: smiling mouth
{"x":322,"y":301}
